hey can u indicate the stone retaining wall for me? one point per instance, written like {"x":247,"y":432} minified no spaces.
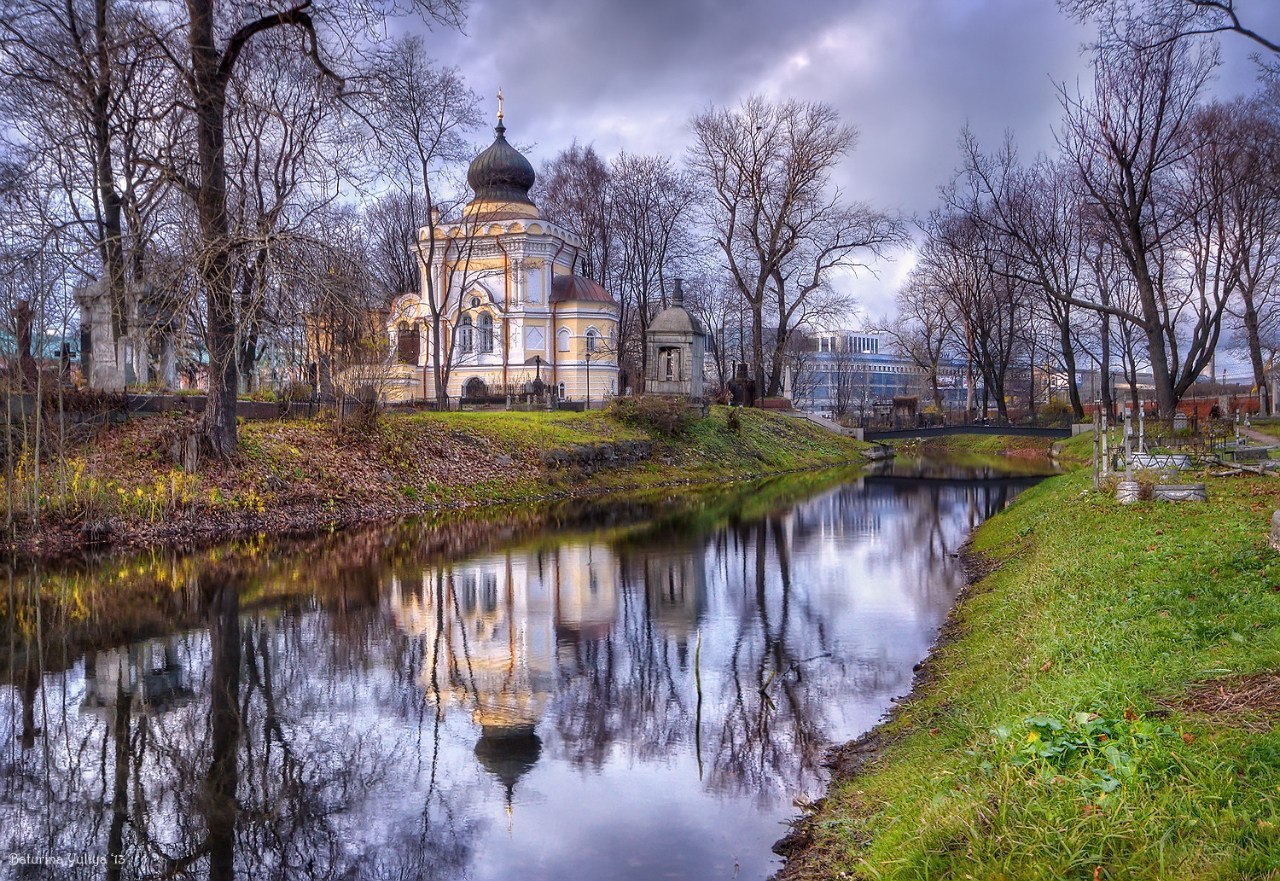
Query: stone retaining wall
{"x":596,"y":456}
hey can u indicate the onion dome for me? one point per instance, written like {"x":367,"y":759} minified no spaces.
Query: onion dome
{"x":501,"y":175}
{"x":578,"y":289}
{"x":508,"y":753}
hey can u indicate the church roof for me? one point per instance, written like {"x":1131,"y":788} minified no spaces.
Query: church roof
{"x":578,"y":289}
{"x":501,"y":174}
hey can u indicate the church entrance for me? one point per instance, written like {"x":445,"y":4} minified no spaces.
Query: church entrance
{"x":475,"y":388}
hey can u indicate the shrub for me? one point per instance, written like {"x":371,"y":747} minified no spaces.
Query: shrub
{"x":296,"y":392}
{"x":1056,"y":411}
{"x":654,"y":413}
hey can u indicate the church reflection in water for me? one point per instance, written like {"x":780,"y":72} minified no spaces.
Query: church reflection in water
{"x":637,"y":702}
{"x":500,"y":632}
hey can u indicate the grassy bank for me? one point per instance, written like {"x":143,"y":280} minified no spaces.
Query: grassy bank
{"x":1102,"y":705}
{"x":978,"y":445}
{"x":121,"y":485}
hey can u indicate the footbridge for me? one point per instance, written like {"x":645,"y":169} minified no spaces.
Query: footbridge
{"x":976,"y":428}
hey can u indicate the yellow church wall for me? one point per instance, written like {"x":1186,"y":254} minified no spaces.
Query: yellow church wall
{"x":515,"y":301}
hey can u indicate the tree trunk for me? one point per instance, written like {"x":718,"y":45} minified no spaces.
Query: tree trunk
{"x":757,"y":349}
{"x":221,"y":809}
{"x":1104,"y":368}
{"x":209,"y":94}
{"x":1069,"y":364}
{"x":111,"y":243}
{"x":776,"y":366}
{"x":1255,"y":353}
{"x":1166,"y":400}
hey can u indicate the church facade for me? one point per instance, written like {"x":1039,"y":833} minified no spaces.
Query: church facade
{"x":499,"y":304}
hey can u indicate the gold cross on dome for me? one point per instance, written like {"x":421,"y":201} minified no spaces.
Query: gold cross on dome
{"x":499,"y":105}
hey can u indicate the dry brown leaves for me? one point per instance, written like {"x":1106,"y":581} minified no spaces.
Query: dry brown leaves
{"x":1252,"y":701}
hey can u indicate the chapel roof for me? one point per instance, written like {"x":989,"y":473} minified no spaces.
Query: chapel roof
{"x":675,"y":318}
{"x":578,"y":289}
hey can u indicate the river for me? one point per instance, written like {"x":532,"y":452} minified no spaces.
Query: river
{"x":607,"y":690}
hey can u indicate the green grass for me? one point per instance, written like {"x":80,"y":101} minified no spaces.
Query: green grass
{"x":1269,"y":426}
{"x":532,"y":429}
{"x":1097,"y":615}
{"x":979,"y":444}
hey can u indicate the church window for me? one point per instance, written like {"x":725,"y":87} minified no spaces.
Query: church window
{"x":486,"y":333}
{"x":592,"y":337}
{"x":407,"y":343}
{"x":534,"y":338}
{"x":562,"y":340}
{"x":466,"y":335}
{"x":561,"y":390}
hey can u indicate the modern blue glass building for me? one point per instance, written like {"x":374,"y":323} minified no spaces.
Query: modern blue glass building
{"x":856,"y":373}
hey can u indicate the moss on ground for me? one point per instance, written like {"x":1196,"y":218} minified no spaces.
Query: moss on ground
{"x":1061,"y":730}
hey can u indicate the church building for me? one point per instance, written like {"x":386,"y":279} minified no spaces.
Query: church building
{"x":508,"y":305}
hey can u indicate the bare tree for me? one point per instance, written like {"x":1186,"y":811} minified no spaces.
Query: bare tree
{"x":780,"y":225}
{"x":78,"y":91}
{"x":287,"y":152}
{"x":1126,"y":142}
{"x":650,"y":202}
{"x":714,"y":301}
{"x":1179,"y":19}
{"x":1036,"y":212}
{"x":423,"y":112}
{"x":206,"y":67}
{"x":924,"y":328}
{"x":574,"y":190}
{"x":1248,"y":135}
{"x":963,"y":260}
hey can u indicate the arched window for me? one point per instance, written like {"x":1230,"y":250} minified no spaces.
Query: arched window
{"x":486,"y":333}
{"x":406,"y":343}
{"x":561,"y":394}
{"x":562,"y":340}
{"x":466,"y":335}
{"x":592,"y":338}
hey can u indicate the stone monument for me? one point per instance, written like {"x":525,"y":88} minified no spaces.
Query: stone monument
{"x":676,"y":344}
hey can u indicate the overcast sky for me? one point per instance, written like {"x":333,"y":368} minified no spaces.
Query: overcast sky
{"x":629,"y":74}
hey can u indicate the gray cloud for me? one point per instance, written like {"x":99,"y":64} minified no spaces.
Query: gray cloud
{"x":628,"y":75}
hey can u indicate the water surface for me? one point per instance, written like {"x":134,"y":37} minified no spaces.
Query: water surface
{"x":641,"y":696}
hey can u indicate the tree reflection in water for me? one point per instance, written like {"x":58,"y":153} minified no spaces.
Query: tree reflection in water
{"x":623,"y":703}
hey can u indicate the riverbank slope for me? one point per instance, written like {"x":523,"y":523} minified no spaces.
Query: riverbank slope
{"x":1102,"y":704}
{"x":120,"y":486}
